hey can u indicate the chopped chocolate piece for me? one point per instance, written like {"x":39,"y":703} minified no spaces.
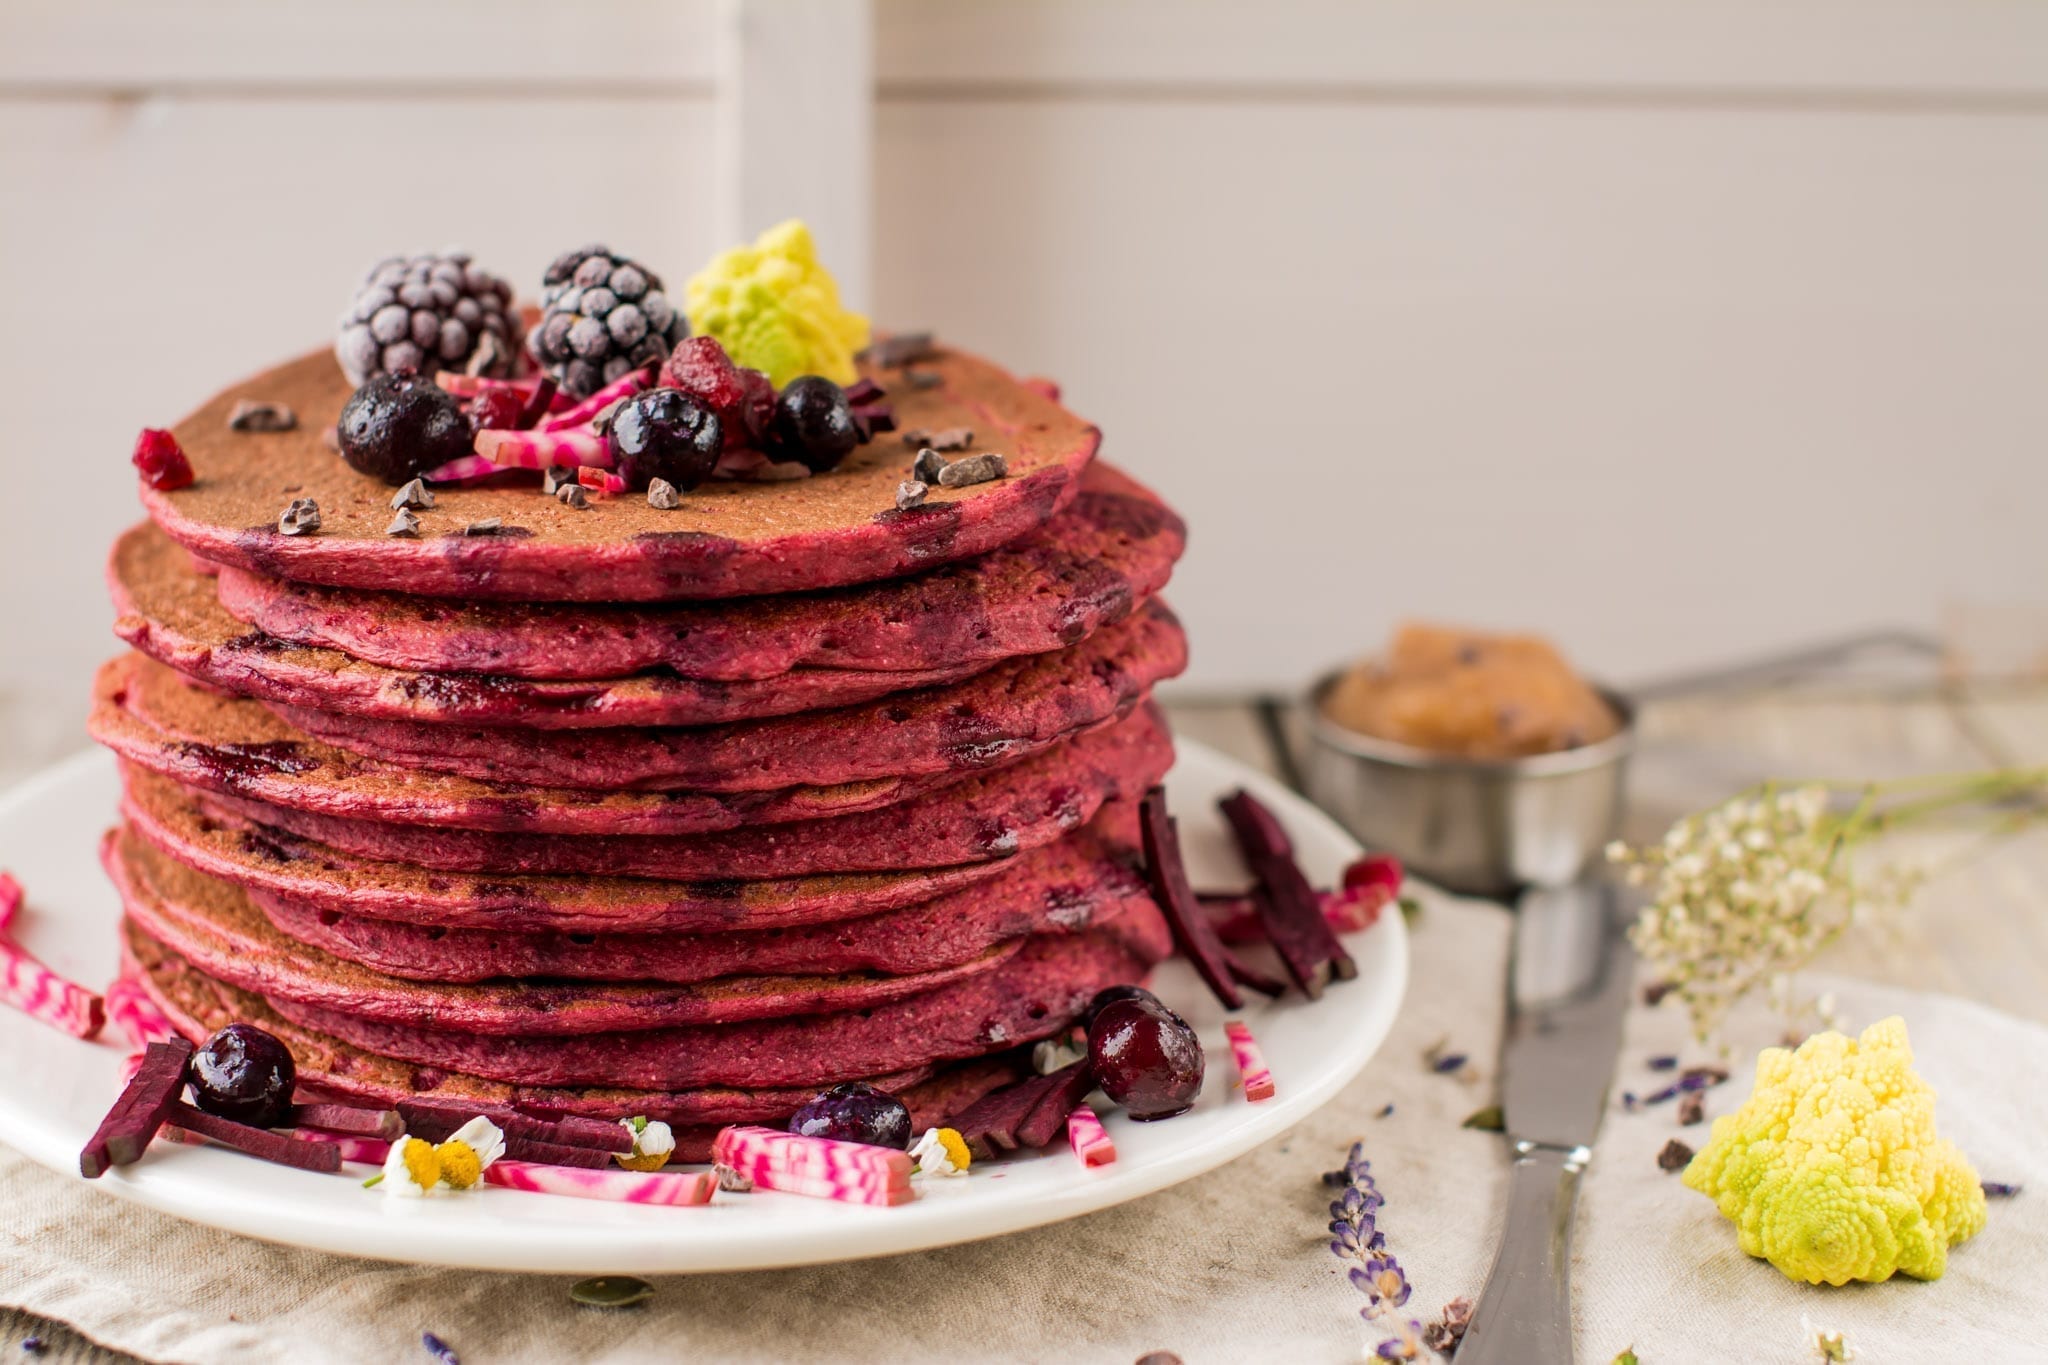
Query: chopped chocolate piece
{"x":1675,"y":1156}
{"x":489,"y":526}
{"x":1030,"y":1113}
{"x":557,"y":477}
{"x":300,"y":518}
{"x":928,"y":466}
{"x":909,"y":495}
{"x":974,"y":469}
{"x":350,"y":1119}
{"x":662,"y":494}
{"x":949,"y":438}
{"x":249,"y":415}
{"x":403,"y":523}
{"x":124,"y":1134}
{"x":901,"y":349}
{"x":414,"y":494}
{"x":602,"y":422}
{"x":1168,"y":874}
{"x":573,"y":495}
{"x":304,"y":1153}
{"x":922,"y":379}
{"x":1692,"y":1108}
{"x":1288,"y":906}
{"x":731,"y":1181}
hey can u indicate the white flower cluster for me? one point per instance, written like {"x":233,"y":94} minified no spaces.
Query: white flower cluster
{"x":1745,"y":894}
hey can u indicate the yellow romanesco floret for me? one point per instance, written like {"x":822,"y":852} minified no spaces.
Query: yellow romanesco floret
{"x":1831,"y":1171}
{"x":776,"y":310}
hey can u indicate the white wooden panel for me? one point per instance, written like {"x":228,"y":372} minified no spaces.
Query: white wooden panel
{"x":1294,"y":48}
{"x":152,"y":251}
{"x":1676,"y":384}
{"x":446,"y":46}
{"x":795,"y":125}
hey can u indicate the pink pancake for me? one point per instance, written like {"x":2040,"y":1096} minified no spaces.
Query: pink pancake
{"x":155,"y":720}
{"x":1086,"y":568}
{"x":276,"y":864}
{"x":217,"y":929}
{"x":992,"y":816}
{"x":198,"y":1005}
{"x":168,"y":610}
{"x":1037,"y":992}
{"x":936,"y":935}
{"x":1014,"y":709}
{"x":729,"y":539}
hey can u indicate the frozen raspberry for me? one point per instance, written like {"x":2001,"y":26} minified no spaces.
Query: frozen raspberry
{"x":428,"y":313}
{"x":161,"y":460}
{"x":602,"y":317}
{"x":743,"y":399}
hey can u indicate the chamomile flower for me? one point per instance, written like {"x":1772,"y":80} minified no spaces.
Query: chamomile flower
{"x":417,"y":1169}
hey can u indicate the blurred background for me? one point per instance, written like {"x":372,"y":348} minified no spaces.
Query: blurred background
{"x":1679,"y":331}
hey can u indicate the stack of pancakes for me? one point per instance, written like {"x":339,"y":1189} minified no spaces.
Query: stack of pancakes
{"x":615,"y":811}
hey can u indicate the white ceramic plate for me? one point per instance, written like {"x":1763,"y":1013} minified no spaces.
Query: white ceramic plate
{"x":53,"y":1090}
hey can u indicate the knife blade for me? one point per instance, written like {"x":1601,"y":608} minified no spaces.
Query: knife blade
{"x":1569,"y":981}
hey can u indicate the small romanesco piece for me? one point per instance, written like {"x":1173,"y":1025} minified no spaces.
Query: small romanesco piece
{"x":1832,"y":1172}
{"x":776,"y":309}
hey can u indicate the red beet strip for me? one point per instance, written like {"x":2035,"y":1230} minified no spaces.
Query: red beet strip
{"x":436,"y":1122}
{"x":538,"y":403}
{"x":576,"y":1130}
{"x":1168,"y":873}
{"x":348,"y":1119}
{"x":305,"y":1153}
{"x":1030,"y":1113}
{"x":124,"y":1134}
{"x":1289,"y":907}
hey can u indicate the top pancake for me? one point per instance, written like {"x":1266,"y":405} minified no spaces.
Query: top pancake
{"x":729,"y":539}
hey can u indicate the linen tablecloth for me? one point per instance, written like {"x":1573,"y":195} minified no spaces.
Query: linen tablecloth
{"x":1230,"y":1267}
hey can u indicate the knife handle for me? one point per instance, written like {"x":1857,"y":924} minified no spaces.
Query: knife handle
{"x":1524,"y":1315}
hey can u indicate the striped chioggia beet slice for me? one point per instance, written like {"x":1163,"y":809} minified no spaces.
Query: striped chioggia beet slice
{"x":671,"y":1188}
{"x":851,"y":1172}
{"x":1251,"y":1063}
{"x":136,"y":1014}
{"x":10,"y":899}
{"x":124,"y":1134}
{"x":841,"y":1189}
{"x":826,"y":1154}
{"x":1086,"y":1135}
{"x":584,"y":413}
{"x":40,"y":993}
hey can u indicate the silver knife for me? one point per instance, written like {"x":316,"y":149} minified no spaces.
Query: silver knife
{"x":1568,"y":986}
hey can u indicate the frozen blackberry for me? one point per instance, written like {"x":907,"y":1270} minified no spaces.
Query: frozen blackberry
{"x":602,"y":317}
{"x":428,"y":313}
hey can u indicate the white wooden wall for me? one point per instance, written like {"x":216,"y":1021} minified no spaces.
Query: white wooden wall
{"x":1678,"y":329}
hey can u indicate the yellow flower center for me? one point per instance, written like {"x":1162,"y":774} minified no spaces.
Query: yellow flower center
{"x":460,"y":1165}
{"x":955,"y":1148}
{"x":422,"y":1163}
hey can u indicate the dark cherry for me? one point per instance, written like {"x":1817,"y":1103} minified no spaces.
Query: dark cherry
{"x":398,"y":426}
{"x":813,"y":424}
{"x":855,"y":1112}
{"x":244,"y":1074}
{"x":1109,"y":995}
{"x":1145,"y":1059}
{"x":665,"y":434}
